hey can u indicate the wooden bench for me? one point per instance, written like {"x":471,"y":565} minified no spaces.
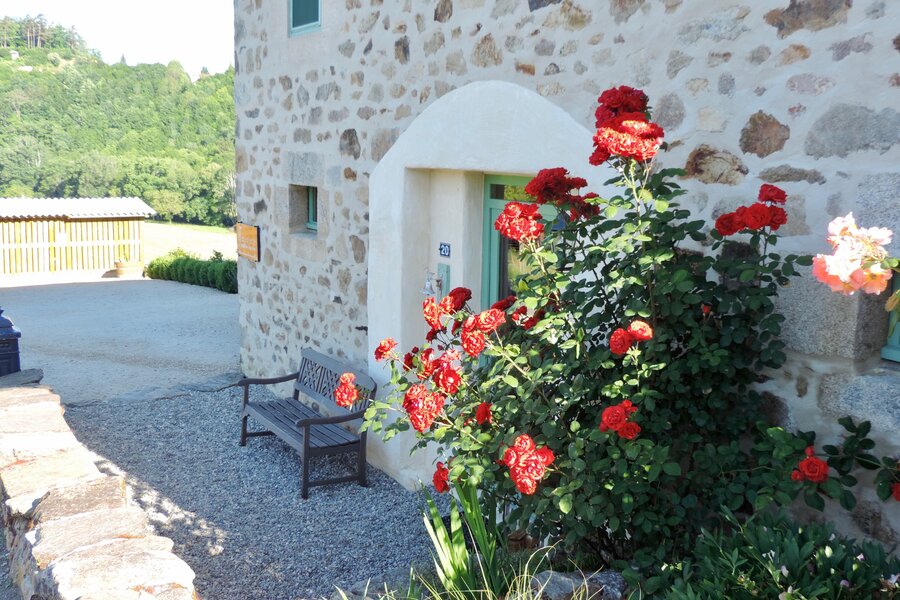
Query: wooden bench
{"x":302,"y":427}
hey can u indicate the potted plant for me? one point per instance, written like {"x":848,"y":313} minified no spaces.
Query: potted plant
{"x":128,"y":268}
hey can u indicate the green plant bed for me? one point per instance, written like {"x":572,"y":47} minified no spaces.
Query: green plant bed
{"x":184,"y":267}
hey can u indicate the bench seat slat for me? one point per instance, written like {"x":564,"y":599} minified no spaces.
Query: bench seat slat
{"x":283,"y":415}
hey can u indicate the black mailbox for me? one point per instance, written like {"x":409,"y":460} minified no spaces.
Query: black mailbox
{"x":9,"y":346}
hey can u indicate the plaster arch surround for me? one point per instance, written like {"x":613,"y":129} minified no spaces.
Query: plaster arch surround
{"x":429,"y":189}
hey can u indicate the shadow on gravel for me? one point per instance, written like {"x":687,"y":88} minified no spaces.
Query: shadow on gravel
{"x":235,"y":513}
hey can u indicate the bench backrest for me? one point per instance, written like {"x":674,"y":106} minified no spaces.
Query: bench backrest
{"x":318,"y":379}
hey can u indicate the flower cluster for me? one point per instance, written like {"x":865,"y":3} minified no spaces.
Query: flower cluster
{"x":441,"y":479}
{"x":476,"y":327}
{"x":555,"y":186}
{"x":858,"y":259}
{"x":520,"y":221}
{"x":345,"y":394}
{"x":617,"y":418}
{"x":422,"y":406}
{"x":811,"y":468}
{"x":623,"y":128}
{"x":764,"y":213}
{"x":483,"y":413}
{"x":621,"y":340}
{"x":527,"y":463}
{"x":384,"y":348}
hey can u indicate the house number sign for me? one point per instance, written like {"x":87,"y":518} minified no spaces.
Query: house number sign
{"x":444,"y":249}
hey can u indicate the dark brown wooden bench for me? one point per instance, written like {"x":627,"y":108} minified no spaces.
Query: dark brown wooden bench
{"x":302,"y":427}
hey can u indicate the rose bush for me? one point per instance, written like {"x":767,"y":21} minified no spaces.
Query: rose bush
{"x":610,"y":404}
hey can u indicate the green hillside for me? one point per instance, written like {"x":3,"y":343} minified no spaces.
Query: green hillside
{"x":71,"y":125}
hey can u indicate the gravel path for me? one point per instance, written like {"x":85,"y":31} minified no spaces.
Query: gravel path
{"x":7,"y":591}
{"x":235,"y":513}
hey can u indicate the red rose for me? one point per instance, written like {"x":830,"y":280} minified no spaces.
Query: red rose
{"x":757,"y":216}
{"x":705,"y":309}
{"x":629,"y":135}
{"x":504,"y":304}
{"x":533,"y":320}
{"x":771,"y":193}
{"x":432,"y":313}
{"x":441,"y":478}
{"x":813,"y":469}
{"x":345,"y":394}
{"x":449,"y":357}
{"x":448,"y":379}
{"x":545,"y":455}
{"x":599,"y":156}
{"x":640,"y":331}
{"x":473,"y":342}
{"x":524,"y":485}
{"x":728,"y":224}
{"x":622,"y":99}
{"x":520,"y":222}
{"x":384,"y":348}
{"x":895,"y":491}
{"x":629,"y":430}
{"x":422,"y":406}
{"x":613,"y":418}
{"x":408,"y":358}
{"x":777,"y":217}
{"x":527,"y":464}
{"x":629,"y":408}
{"x":796,"y":475}
{"x":490,"y":320}
{"x":483,"y":413}
{"x":426,"y":364}
{"x":553,"y":185}
{"x":455,"y":300}
{"x":620,"y":341}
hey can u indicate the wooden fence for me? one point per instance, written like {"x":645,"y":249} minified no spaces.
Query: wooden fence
{"x":55,"y":245}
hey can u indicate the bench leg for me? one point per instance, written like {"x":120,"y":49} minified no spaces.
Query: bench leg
{"x":361,"y":465}
{"x":244,"y":430}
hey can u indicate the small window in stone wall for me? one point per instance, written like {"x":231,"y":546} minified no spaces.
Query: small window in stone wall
{"x":304,"y":16}
{"x":304,"y":208}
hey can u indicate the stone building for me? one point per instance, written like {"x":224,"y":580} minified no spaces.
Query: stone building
{"x":373,"y":133}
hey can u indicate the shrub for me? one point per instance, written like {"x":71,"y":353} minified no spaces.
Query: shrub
{"x":773,"y":556}
{"x":179,"y":265}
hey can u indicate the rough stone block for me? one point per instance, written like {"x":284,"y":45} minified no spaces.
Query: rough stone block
{"x":19,"y":378}
{"x":23,"y":483}
{"x":305,"y":168}
{"x":15,"y":447}
{"x":873,"y":396}
{"x":106,"y":493}
{"x":878,"y":205}
{"x":38,"y":417}
{"x":821,"y":322}
{"x":847,"y":128}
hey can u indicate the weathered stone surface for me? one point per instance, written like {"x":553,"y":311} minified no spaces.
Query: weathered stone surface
{"x":878,"y":203}
{"x":603,"y":585}
{"x":763,"y":135}
{"x":486,"y":52}
{"x":534,"y":5}
{"x":382,"y":142}
{"x":789,"y":173}
{"x":305,"y":168}
{"x":714,"y":59}
{"x":22,"y":396}
{"x":21,"y":378}
{"x":759,"y":55}
{"x":793,"y":53}
{"x":401,"y":50}
{"x":434,"y":43}
{"x":875,"y":10}
{"x":443,"y":11}
{"x":606,"y":585}
{"x":722,"y":25}
{"x":711,"y":119}
{"x":23,"y":483}
{"x":105,"y":493}
{"x":32,"y":418}
{"x":870,"y":518}
{"x":456,"y":63}
{"x":349,"y":143}
{"x":858,"y":44}
{"x":569,"y":16}
{"x":22,"y":447}
{"x":545,"y":47}
{"x":712,"y":165}
{"x":810,"y":84}
{"x":504,"y":7}
{"x":847,"y":128}
{"x":808,"y":14}
{"x":346,"y":48}
{"x":552,"y":69}
{"x":850,"y":327}
{"x":678,"y":60}
{"x":871,"y":396}
{"x":669,"y":112}
{"x":528,"y":69}
{"x":53,"y":539}
{"x":726,"y":84}
{"x":148,"y":570}
{"x":621,"y":10}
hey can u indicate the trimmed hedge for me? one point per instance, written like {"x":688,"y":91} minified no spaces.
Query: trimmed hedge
{"x":179,"y":265}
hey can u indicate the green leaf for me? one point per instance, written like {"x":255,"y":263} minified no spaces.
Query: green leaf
{"x":565,"y":504}
{"x":673,"y":469}
{"x":511,"y":381}
{"x":661,"y":205}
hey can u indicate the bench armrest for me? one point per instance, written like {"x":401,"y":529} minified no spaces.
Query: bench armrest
{"x":331,"y":420}
{"x":269,"y":380}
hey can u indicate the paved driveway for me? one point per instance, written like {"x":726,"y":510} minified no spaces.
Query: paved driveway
{"x":103,"y":339}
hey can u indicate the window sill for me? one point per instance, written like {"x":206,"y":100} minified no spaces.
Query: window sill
{"x":305,"y":29}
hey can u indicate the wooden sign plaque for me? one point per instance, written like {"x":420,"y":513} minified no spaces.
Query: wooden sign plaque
{"x":247,"y":241}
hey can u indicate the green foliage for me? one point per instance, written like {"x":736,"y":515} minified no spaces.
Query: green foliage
{"x":77,"y":127}
{"x":182,"y":266}
{"x":772,"y":556}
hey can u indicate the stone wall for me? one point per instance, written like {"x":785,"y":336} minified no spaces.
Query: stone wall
{"x":71,"y":531}
{"x":800,"y":93}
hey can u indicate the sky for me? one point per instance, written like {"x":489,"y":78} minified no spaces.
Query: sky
{"x":196,"y":33}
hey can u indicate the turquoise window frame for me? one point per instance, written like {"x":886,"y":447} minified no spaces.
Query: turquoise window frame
{"x":305,"y":27}
{"x":891,"y":350}
{"x":312,"y":208}
{"x":491,"y":243}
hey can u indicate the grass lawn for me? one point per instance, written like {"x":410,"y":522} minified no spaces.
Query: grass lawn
{"x":160,"y":238}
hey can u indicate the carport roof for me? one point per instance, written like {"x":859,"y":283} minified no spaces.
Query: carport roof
{"x":73,"y":208}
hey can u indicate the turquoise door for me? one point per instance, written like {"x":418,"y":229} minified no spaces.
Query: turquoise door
{"x":501,"y":265}
{"x":892,"y":350}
